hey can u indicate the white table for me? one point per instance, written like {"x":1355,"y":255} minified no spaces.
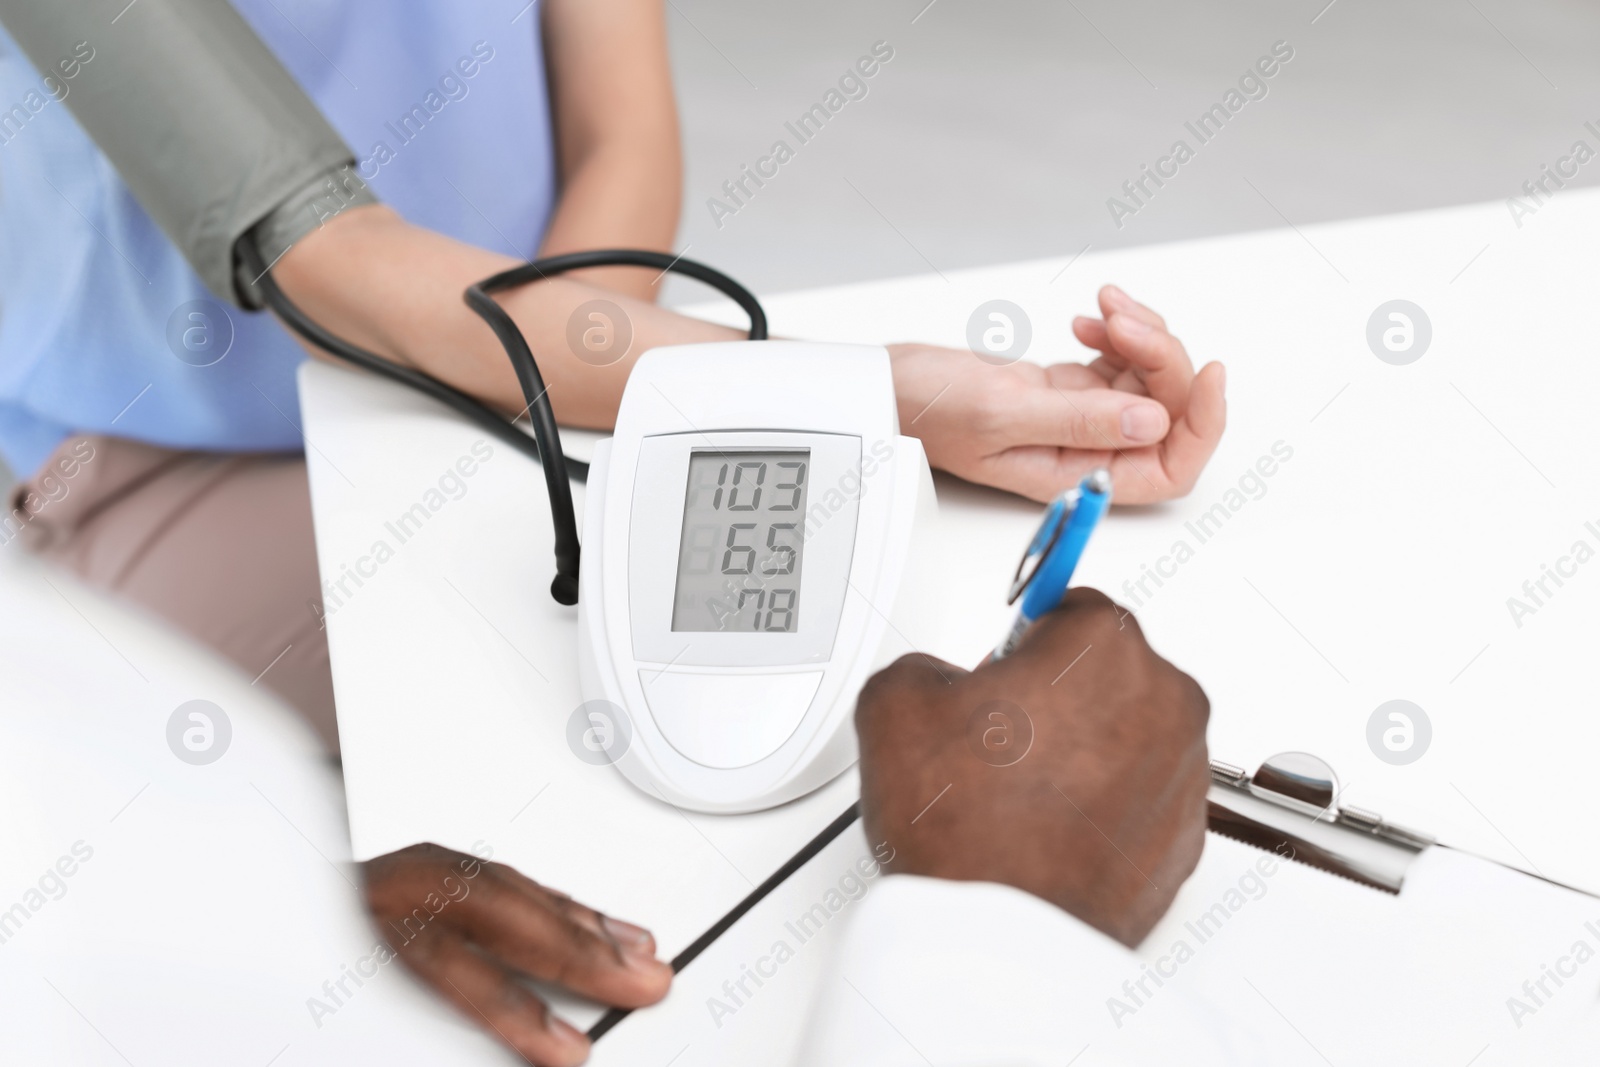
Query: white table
{"x":1373,"y":564}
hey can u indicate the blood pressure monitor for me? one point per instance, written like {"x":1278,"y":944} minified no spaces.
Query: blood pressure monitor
{"x":756,"y":544}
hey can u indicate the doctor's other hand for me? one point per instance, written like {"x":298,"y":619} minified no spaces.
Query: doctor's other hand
{"x":1139,"y":408}
{"x":1074,"y":769}
{"x":473,"y":930}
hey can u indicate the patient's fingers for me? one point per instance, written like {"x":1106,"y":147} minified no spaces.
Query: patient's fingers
{"x":1195,"y":436}
{"x":1091,"y":333}
{"x":1131,"y":336}
{"x":1076,"y":376}
{"x":488,"y":993}
{"x":1170,"y":469}
{"x":1131,"y":350}
{"x":1161,"y":358}
{"x":1113,"y":301}
{"x":1086,"y":418}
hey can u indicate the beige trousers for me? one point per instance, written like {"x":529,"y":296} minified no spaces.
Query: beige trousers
{"x":218,"y":545}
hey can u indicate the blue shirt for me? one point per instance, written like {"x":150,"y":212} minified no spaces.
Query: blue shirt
{"x":103,"y":326}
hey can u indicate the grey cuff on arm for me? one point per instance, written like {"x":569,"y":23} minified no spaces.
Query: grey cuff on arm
{"x":318,"y":201}
{"x":211,"y":134}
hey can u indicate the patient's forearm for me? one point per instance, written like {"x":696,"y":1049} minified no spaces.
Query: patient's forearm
{"x":395,"y":289}
{"x":616,"y":128}
{"x":604,"y":205}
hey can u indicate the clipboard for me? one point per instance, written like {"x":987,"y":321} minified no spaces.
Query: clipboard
{"x":1290,"y":807}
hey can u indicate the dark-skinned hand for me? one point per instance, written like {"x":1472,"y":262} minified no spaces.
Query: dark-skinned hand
{"x":1074,"y":769}
{"x":472,"y":929}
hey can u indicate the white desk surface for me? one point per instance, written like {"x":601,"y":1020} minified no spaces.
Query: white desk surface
{"x":1375,"y":566}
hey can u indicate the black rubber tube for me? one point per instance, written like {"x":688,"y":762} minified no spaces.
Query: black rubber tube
{"x":545,"y":445}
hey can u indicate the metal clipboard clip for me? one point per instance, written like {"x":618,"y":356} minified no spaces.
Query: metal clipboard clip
{"x":1290,"y":806}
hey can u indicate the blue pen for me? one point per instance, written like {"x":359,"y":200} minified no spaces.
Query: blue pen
{"x":1058,"y":546}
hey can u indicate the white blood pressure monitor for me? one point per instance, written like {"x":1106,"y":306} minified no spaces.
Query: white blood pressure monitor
{"x":755,"y":538}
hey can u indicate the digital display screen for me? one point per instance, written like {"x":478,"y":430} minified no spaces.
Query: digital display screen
{"x":743,"y":539}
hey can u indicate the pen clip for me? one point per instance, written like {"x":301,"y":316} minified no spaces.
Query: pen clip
{"x":1044,"y":539}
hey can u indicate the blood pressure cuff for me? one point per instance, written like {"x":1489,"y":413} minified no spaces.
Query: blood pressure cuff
{"x":215,"y":139}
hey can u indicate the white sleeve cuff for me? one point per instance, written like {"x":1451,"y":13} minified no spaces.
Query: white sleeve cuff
{"x":931,"y":971}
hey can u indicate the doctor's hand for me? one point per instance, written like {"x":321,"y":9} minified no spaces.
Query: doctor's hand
{"x":1139,"y":408}
{"x":472,"y":930}
{"x":1074,"y":769}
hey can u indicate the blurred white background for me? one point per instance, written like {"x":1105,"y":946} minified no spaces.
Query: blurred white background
{"x":1000,"y":128}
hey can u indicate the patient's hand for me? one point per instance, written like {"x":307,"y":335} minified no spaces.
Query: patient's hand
{"x":470,"y":929}
{"x":1139,"y":408}
{"x":1075,"y":768}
